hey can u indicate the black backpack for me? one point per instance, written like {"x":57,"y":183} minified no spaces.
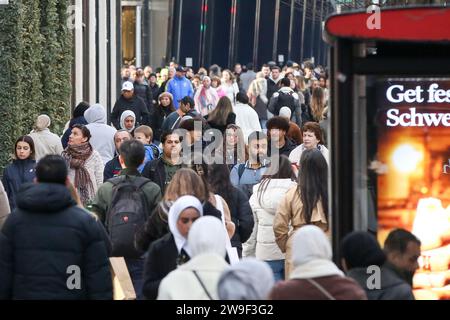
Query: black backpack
{"x":127,"y":213}
{"x":285,"y":99}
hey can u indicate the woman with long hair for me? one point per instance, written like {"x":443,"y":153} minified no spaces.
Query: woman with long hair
{"x":229,"y":85}
{"x":304,"y":204}
{"x":222,"y":115}
{"x":318,"y":104}
{"x":21,"y":170}
{"x":233,"y":150}
{"x":161,"y":111}
{"x":184,"y":182}
{"x":257,"y":94}
{"x":85,"y":164}
{"x":264,"y":202}
{"x":241,"y":213}
{"x":216,"y":83}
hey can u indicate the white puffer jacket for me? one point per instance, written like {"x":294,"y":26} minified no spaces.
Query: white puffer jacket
{"x":262,"y":243}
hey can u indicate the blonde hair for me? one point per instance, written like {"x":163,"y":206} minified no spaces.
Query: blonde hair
{"x":186,"y":182}
{"x":146,"y":131}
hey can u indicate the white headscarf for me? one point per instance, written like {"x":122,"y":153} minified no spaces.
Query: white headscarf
{"x":312,"y":254}
{"x":125,"y":115}
{"x":176,"y":209}
{"x":207,"y":235}
{"x":249,"y":279}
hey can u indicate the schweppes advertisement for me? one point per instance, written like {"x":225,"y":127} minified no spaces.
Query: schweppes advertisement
{"x":413,"y":184}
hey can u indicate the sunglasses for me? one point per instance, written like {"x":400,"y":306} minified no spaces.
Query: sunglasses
{"x":186,"y":220}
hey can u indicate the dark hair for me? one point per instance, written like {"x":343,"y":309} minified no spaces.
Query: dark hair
{"x":132,"y":153}
{"x":278,"y":123}
{"x":171,"y":106}
{"x":30,"y":142}
{"x":275,"y":68}
{"x":398,"y":240}
{"x":167,"y":133}
{"x":188,"y":100}
{"x":220,"y":183}
{"x":265,"y":65}
{"x":80,"y":109}
{"x":242,"y":97}
{"x":256,"y":135}
{"x":360,"y":249}
{"x":315,"y":128}
{"x":249,"y":66}
{"x":189,"y":124}
{"x":285,"y":82}
{"x":84,"y":130}
{"x":282,"y":171}
{"x":52,"y":169}
{"x":313,"y":183}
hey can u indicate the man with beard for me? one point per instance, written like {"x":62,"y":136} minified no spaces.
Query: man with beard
{"x":402,"y":250}
{"x":246,"y":175}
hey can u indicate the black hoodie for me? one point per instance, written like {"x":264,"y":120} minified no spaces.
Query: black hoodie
{"x":45,"y":241}
{"x":135,"y":104}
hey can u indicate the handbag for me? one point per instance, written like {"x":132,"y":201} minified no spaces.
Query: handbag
{"x":122,"y":285}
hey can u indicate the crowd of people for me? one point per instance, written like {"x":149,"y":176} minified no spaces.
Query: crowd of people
{"x":211,"y":185}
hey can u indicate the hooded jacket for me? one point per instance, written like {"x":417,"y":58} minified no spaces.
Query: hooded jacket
{"x":135,"y":104}
{"x":44,"y":241}
{"x":262,"y":243}
{"x":102,"y":135}
{"x":16,"y":174}
{"x":180,"y":88}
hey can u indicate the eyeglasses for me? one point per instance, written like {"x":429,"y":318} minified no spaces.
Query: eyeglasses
{"x":186,"y":220}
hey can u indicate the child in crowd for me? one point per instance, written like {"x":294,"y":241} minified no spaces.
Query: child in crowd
{"x":145,"y":135}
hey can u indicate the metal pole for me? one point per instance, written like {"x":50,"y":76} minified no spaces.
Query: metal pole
{"x":291,"y":29}
{"x":305,"y":4}
{"x":321,"y":44}
{"x":256,"y":38}
{"x":275,"y":31}
{"x":180,"y":15}
{"x":313,"y":38}
{"x":232,"y":33}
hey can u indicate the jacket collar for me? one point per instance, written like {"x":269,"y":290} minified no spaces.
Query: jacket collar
{"x":130,"y":172}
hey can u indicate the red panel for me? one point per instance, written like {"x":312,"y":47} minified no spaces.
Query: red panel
{"x":409,"y":24}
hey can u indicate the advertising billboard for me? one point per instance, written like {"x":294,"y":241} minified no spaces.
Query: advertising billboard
{"x":411,"y":160}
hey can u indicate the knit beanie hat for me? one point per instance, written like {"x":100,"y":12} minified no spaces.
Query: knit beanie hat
{"x":361,"y":249}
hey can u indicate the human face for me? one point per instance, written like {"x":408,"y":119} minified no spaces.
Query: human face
{"x":322,"y":82}
{"x":128,"y":94}
{"x":129,"y":123}
{"x":152,"y":79}
{"x":120,"y":137}
{"x":206,"y":83}
{"x":171,"y":146}
{"x":275,"y":73}
{"x":214,"y":83}
{"x":142,"y":138}
{"x":196,"y":83}
{"x":308,"y":73}
{"x":406,"y":261}
{"x":76,"y":137}
{"x":23,"y":150}
{"x":171,"y":73}
{"x":238,"y":69}
{"x":232,"y":137}
{"x":258,"y":149}
{"x":265,"y":71}
{"x":226,"y":76}
{"x":310,"y":140}
{"x":180,"y":74}
{"x":277,"y":135}
{"x":293,"y":84}
{"x":197,"y":135}
{"x":186,"y":219}
{"x":147,"y":72}
{"x":185,"y":108}
{"x":315,"y":84}
{"x":165,"y":101}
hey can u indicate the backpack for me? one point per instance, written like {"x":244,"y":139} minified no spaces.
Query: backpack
{"x":156,"y":151}
{"x":246,"y":188}
{"x":285,"y":99}
{"x":127,"y":213}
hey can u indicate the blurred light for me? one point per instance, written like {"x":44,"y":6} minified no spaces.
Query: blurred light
{"x":424,"y":190}
{"x":406,"y":158}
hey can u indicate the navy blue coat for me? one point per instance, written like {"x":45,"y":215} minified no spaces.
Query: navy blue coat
{"x":15,"y":175}
{"x":41,"y":239}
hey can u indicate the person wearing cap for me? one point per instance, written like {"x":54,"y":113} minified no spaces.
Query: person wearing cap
{"x":45,"y":142}
{"x":180,"y":86}
{"x":186,"y":107}
{"x":129,"y":101}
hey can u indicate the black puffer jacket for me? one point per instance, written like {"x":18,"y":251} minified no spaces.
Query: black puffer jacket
{"x":15,"y":175}
{"x":43,"y":239}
